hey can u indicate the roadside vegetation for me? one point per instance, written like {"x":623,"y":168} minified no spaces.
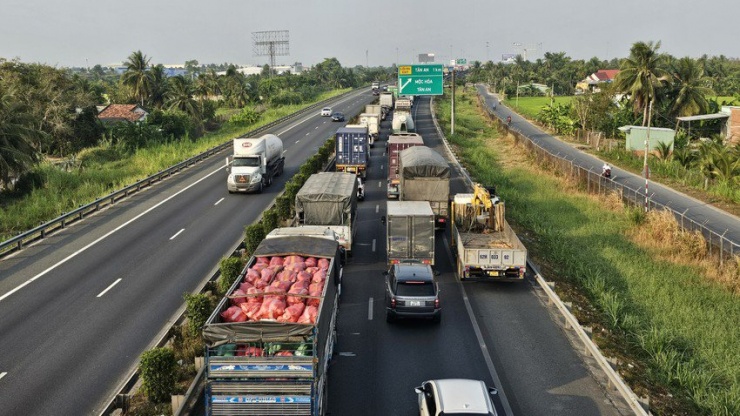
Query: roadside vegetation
{"x":701,"y":162}
{"x":55,"y":155}
{"x":646,"y":288}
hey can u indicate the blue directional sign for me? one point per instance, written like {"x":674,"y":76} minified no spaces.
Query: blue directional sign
{"x":420,"y":79}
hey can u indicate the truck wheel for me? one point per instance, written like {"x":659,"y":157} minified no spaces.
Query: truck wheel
{"x":259,"y":191}
{"x":269,"y":180}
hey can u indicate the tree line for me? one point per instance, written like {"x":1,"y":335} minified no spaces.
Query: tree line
{"x":52,"y":112}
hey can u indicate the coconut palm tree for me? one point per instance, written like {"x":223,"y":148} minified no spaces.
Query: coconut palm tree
{"x":137,"y":75}
{"x":641,"y":74}
{"x":691,"y":88}
{"x":180,"y":96}
{"x":159,"y":86}
{"x":17,"y":135}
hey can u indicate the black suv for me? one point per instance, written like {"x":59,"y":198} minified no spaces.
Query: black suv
{"x":411,"y":291}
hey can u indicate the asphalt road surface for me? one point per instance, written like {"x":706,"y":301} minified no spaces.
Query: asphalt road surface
{"x":79,"y":307}
{"x":499,"y":333}
{"x":713,"y":218}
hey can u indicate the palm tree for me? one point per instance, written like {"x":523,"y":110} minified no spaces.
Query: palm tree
{"x":691,"y":86}
{"x":137,"y":76}
{"x":640,"y":74}
{"x":159,"y":86}
{"x":180,"y":96}
{"x":17,"y":134}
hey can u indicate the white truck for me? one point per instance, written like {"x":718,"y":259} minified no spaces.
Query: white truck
{"x":409,"y":232}
{"x":254,"y":164}
{"x":485,"y":246}
{"x":402,"y":122}
{"x":329,"y":200}
{"x":372,"y":121}
{"x":403,"y":103}
{"x":376,"y":109}
{"x":386,"y":100}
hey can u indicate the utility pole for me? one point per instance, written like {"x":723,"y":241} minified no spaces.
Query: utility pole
{"x":647,"y":149}
{"x":452,"y":116}
{"x":517,"y":94}
{"x":487,"y":59}
{"x":367,"y":65}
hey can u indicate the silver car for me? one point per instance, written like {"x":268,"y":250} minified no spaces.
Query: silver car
{"x":326,"y":112}
{"x":455,"y":396}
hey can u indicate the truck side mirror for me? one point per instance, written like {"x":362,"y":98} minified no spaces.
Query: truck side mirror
{"x":382,"y":219}
{"x":227,"y":164}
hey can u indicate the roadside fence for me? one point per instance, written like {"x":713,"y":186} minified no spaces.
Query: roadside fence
{"x":593,"y":182}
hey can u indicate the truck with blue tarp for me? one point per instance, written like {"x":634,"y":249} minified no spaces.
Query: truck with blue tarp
{"x":260,"y":362}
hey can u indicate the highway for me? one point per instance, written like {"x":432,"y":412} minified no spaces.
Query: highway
{"x":713,"y":218}
{"x":499,"y":333}
{"x":79,"y":308}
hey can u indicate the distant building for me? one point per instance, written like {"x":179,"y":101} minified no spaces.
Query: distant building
{"x":117,"y":113}
{"x":593,"y":82}
{"x":295,"y":69}
{"x":636,"y":136}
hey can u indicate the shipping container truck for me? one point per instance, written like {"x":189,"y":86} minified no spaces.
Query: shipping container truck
{"x":254,"y":163}
{"x":268,"y":349}
{"x":386,"y":100}
{"x":366,"y":127}
{"x":376,"y":109}
{"x":397,"y":143}
{"x":410,"y":232}
{"x":485,"y":247}
{"x":424,"y":175}
{"x":329,"y":199}
{"x":351,"y":150}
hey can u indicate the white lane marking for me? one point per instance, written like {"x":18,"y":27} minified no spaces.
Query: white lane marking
{"x":481,"y":341}
{"x":109,"y":287}
{"x":108,"y":234}
{"x":317,"y":127}
{"x":306,"y":135}
{"x":347,"y":354}
{"x":380,"y":183}
{"x":285,"y":151}
{"x":219,"y":201}
{"x":297,"y":141}
{"x":373,"y":245}
{"x":377,"y":208}
{"x":176,"y":234}
{"x":381,"y":167}
{"x":370,"y":309}
{"x":3,"y":374}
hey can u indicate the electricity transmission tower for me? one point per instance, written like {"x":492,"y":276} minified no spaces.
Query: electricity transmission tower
{"x":271,"y":43}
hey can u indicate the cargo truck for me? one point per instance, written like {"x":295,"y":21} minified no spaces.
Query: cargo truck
{"x":254,"y":164}
{"x":485,"y":247}
{"x":351,"y":150}
{"x":397,"y":143}
{"x":386,"y":100}
{"x":366,"y":127}
{"x":402,"y":122}
{"x":372,"y":121}
{"x":262,"y":358}
{"x":403,"y":104}
{"x":424,"y":175}
{"x":409,"y":232}
{"x":329,"y":199}
{"x":376,"y":109}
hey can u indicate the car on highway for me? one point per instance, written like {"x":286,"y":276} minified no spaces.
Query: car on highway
{"x":455,"y":396}
{"x":337,"y":116}
{"x":326,"y":112}
{"x":411,"y":291}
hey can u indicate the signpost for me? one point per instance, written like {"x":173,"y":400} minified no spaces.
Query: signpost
{"x":420,"y":79}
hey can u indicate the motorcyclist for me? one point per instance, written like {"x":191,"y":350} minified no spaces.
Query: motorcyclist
{"x":360,"y":190}
{"x":606,"y":170}
{"x":508,"y":120}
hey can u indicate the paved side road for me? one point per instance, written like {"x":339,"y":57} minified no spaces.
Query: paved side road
{"x":713,"y":218}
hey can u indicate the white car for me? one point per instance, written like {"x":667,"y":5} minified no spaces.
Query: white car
{"x":326,"y":112}
{"x":455,"y":396}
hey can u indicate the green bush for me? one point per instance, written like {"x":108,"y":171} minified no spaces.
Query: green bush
{"x":255,"y":233}
{"x":247,"y":116}
{"x":283,"y":207}
{"x":230,"y":268}
{"x":269,"y":220}
{"x":158,"y":369}
{"x":198,"y":309}
{"x":28,"y":181}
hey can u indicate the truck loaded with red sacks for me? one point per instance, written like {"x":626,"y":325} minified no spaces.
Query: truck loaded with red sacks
{"x":269,"y":340}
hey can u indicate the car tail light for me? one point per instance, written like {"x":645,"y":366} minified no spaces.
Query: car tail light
{"x":393,"y":303}
{"x":436,"y":303}
{"x":426,"y":261}
{"x":522,"y":270}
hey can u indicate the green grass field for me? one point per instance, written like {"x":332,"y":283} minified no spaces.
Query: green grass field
{"x":667,"y":316}
{"x":65,"y":191}
{"x":531,"y":106}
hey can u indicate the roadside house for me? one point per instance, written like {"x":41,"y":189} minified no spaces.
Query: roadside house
{"x":592,"y":82}
{"x":116,"y":113}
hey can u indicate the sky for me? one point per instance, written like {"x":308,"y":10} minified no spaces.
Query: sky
{"x":84,"y":33}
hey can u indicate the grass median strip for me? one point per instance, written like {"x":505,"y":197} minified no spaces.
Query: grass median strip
{"x":673,"y":325}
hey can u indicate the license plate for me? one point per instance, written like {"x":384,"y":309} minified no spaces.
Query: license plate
{"x":415,"y":303}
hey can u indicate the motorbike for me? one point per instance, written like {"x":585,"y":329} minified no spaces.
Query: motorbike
{"x":607,"y":173}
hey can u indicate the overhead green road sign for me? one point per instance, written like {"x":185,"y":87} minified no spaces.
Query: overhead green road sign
{"x":420,"y":79}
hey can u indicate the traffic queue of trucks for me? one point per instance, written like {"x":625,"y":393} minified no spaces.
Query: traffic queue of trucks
{"x":270,"y":339}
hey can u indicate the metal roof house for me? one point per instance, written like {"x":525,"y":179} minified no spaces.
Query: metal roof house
{"x":636,"y":136}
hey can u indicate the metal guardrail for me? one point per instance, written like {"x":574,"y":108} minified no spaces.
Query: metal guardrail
{"x":595,"y":183}
{"x":614,"y":378}
{"x":18,"y":242}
